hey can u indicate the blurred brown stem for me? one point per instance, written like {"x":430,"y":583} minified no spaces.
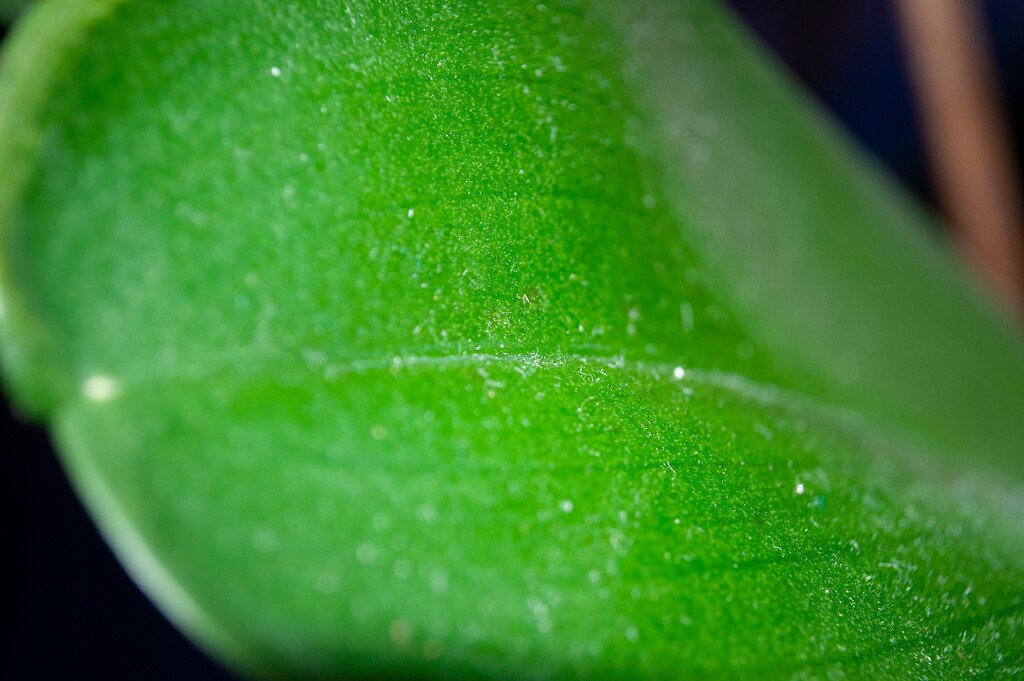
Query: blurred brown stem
{"x":968,"y":139}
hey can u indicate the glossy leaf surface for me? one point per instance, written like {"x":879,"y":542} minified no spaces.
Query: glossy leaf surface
{"x":502,"y":339}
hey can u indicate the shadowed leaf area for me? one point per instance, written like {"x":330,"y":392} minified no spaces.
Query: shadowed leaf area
{"x":502,"y":340}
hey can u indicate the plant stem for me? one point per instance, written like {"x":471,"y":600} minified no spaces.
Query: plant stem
{"x":968,"y":138}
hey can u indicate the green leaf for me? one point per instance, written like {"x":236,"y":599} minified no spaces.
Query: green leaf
{"x":502,"y":340}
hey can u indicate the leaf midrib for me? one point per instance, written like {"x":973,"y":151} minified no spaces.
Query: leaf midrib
{"x":833,"y":415}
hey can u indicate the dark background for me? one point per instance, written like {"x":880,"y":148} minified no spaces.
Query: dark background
{"x":69,"y":609}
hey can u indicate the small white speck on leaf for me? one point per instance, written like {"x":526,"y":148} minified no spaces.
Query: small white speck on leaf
{"x":264,"y":540}
{"x":438,"y":580}
{"x":403,"y":569}
{"x":366,"y":553}
{"x":98,"y":388}
{"x":327,"y":582}
{"x":275,"y":72}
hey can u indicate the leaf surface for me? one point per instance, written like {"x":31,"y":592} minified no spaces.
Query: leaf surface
{"x":506,"y":340}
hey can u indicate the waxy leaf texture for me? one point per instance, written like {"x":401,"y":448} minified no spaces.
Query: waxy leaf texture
{"x":502,"y":340}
